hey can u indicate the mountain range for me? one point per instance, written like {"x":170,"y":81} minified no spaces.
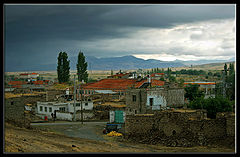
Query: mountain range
{"x":116,"y":63}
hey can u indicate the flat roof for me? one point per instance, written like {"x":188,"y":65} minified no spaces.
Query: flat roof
{"x":203,"y":83}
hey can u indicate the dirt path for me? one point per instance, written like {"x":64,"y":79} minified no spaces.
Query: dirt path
{"x":87,"y":130}
{"x":24,"y":140}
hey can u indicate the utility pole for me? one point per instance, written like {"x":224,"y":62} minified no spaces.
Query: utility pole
{"x":74,"y":97}
{"x":81,"y":103}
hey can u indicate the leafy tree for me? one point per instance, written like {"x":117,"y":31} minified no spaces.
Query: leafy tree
{"x":230,"y":80}
{"x":231,"y":69}
{"x":181,"y":82}
{"x":169,"y":71}
{"x":212,"y":105}
{"x":172,"y":78}
{"x":225,"y":69}
{"x":63,"y":68}
{"x":82,"y":68}
{"x":217,"y":74}
{"x":192,"y":92}
{"x":210,"y":73}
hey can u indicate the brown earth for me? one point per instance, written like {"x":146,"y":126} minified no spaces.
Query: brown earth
{"x":25,"y":140}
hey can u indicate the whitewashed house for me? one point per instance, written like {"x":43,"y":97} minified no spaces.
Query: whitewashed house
{"x":63,"y":110}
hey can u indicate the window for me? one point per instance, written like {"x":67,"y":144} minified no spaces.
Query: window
{"x":45,"y":109}
{"x":50,"y":109}
{"x":134,"y":98}
{"x":77,"y":104}
{"x":151,"y":101}
{"x":12,"y":102}
{"x":41,"y":108}
{"x":89,"y":92}
{"x":86,"y":104}
{"x":61,"y":108}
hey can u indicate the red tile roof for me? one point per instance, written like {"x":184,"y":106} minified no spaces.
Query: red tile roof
{"x":111,"y":84}
{"x":38,"y":82}
{"x":29,"y":74}
{"x":157,"y":82}
{"x":120,"y":84}
{"x":17,"y":82}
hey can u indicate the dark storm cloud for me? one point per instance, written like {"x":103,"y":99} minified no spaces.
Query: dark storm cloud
{"x":93,"y":22}
{"x":36,"y":33}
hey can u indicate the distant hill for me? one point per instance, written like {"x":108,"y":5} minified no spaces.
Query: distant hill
{"x":123,"y":63}
{"x":213,"y":66}
{"x":114,"y":63}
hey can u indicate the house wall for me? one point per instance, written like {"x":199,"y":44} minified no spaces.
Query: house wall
{"x":175,"y":97}
{"x":49,"y":105}
{"x":68,"y":116}
{"x":138,"y":106}
{"x":163,"y":97}
{"x":86,"y":115}
{"x":89,"y":106}
{"x":159,"y":99}
{"x":64,"y":116}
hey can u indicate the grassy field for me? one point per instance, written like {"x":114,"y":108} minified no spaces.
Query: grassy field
{"x":101,"y":74}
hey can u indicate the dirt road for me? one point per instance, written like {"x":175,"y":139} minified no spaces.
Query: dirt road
{"x":24,"y":140}
{"x":87,"y":130}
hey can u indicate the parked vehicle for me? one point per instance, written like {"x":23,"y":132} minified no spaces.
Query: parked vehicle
{"x":112,"y":127}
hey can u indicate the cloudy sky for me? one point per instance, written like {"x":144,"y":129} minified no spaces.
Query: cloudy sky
{"x":37,"y":33}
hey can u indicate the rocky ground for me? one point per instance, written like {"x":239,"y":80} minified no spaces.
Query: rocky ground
{"x":35,"y":140}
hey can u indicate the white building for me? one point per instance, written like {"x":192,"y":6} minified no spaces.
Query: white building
{"x":63,"y":110}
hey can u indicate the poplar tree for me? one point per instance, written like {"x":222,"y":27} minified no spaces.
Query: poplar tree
{"x":82,"y":68}
{"x":63,"y":68}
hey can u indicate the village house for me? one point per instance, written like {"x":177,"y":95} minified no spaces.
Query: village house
{"x":147,"y":100}
{"x":157,"y":76}
{"x":29,"y":76}
{"x":118,"y":85}
{"x":63,"y":110}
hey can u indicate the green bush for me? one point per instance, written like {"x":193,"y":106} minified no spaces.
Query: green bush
{"x":212,"y":105}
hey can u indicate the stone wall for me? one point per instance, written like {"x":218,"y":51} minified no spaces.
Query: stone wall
{"x":175,"y":97}
{"x":138,"y":124}
{"x":177,"y":128}
{"x":14,"y":107}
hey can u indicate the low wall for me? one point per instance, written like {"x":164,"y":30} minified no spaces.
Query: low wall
{"x":68,"y":116}
{"x":172,"y":126}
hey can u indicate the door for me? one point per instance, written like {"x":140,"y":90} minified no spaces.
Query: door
{"x":119,"y":117}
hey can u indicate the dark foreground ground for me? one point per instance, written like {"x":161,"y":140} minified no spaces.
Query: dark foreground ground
{"x":79,"y":138}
